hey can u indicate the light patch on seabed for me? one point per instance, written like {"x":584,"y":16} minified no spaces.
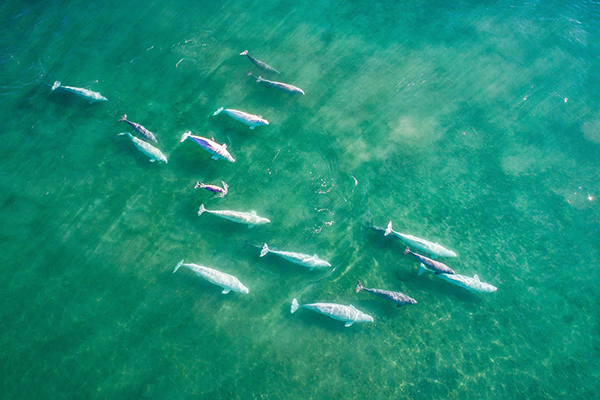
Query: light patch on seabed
{"x":591,"y":129}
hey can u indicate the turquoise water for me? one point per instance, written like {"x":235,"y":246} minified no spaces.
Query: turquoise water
{"x":475,"y":125}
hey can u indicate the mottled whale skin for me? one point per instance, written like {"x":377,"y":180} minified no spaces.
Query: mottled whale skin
{"x":248,"y":218}
{"x":249,"y":119}
{"x":285,"y":87}
{"x":398,"y":298}
{"x":434,"y":249}
{"x":305,"y":260}
{"x":335,"y":311}
{"x":141,"y":130}
{"x":219,"y":151}
{"x":259,"y":63}
{"x":438,"y":267}
{"x":226,"y":281}
{"x":219,"y":191}
{"x":146,"y":148}
{"x":473,"y":284}
{"x":81,"y":92}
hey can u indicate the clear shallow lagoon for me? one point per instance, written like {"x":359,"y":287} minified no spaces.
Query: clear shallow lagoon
{"x":473,"y":125}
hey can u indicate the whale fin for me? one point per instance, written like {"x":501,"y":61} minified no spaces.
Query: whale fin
{"x":253,"y":212}
{"x":244,"y":53}
{"x":348,"y":323}
{"x":185,"y":135}
{"x":56,"y":85}
{"x":177,"y":266}
{"x":225,"y":291}
{"x":407,"y":250}
{"x":218,"y":111}
{"x":250,"y":226}
{"x":198,"y":185}
{"x":359,"y":286}
{"x":388,"y":230}
{"x":152,"y":159}
{"x":476,"y":277}
{"x":311,"y":268}
{"x":124,"y":133}
{"x":124,"y":118}
{"x":422,"y":269}
{"x":215,"y":157}
{"x":295,"y":305}
{"x":259,"y":79}
{"x":252,"y":126}
{"x":264,"y":250}
{"x":225,"y":189}
{"x":201,"y":209}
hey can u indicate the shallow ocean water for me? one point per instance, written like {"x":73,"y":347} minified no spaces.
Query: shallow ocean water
{"x":475,"y":125}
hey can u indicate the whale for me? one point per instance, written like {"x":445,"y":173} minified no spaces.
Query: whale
{"x":285,"y":87}
{"x":472,"y":284}
{"x":141,"y":130}
{"x":336,"y":311}
{"x":248,"y":218}
{"x":398,"y":298}
{"x":227,"y":282}
{"x":438,"y":267}
{"x":219,"y":191}
{"x":146,"y":148}
{"x":249,"y":119}
{"x":259,"y":63}
{"x":81,"y":92}
{"x":311,"y":262}
{"x":219,"y":151}
{"x":434,"y":249}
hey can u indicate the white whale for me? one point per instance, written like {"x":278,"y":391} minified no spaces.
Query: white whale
{"x":335,"y":311}
{"x":248,"y":218}
{"x":285,"y":87}
{"x":81,"y":92}
{"x":473,"y":284}
{"x":146,"y":148}
{"x":305,"y":260}
{"x":249,"y":119}
{"x":434,"y":249}
{"x":218,"y":151}
{"x":226,"y":281}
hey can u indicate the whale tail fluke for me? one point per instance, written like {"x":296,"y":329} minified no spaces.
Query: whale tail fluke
{"x":295,"y":305}
{"x":201,"y":210}
{"x":359,"y":286}
{"x":124,"y":118}
{"x":185,"y":135}
{"x":407,"y":250}
{"x":198,"y":185}
{"x":264,"y":250}
{"x":244,"y":53}
{"x":259,"y":79}
{"x":225,"y":189}
{"x":56,"y":85}
{"x":177,"y":266}
{"x":388,"y":229}
{"x":218,"y":111}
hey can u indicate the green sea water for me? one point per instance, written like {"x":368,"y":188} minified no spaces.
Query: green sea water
{"x":474,"y":124}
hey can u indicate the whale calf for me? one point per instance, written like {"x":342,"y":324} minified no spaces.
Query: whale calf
{"x":141,"y":130}
{"x":336,"y":311}
{"x":434,"y":249}
{"x":473,"y":284}
{"x":259,"y":63}
{"x":81,"y":92}
{"x":146,"y":148}
{"x":220,"y":191}
{"x":285,"y":87}
{"x":438,"y":267}
{"x":305,"y":260}
{"x":248,"y":218}
{"x":398,"y":298}
{"x":226,"y":281}
{"x":218,"y":151}
{"x":249,"y":119}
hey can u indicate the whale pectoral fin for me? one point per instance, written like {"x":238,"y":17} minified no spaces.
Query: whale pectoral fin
{"x":252,"y":126}
{"x":250,"y":226}
{"x":348,"y":323}
{"x":433,"y":256}
{"x":215,"y":157}
{"x":225,"y":291}
{"x":152,"y":159}
{"x":311,"y":268}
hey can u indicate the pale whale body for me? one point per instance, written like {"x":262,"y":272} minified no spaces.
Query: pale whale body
{"x":81,"y":92}
{"x":285,"y":87}
{"x":398,"y":298}
{"x":305,"y":260}
{"x":336,"y":311}
{"x":218,"y":151}
{"x":146,"y":148}
{"x":473,"y":284}
{"x":259,"y":63}
{"x":434,"y":249}
{"x":249,"y":119}
{"x":141,"y":130}
{"x":226,"y":281}
{"x":248,"y":218}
